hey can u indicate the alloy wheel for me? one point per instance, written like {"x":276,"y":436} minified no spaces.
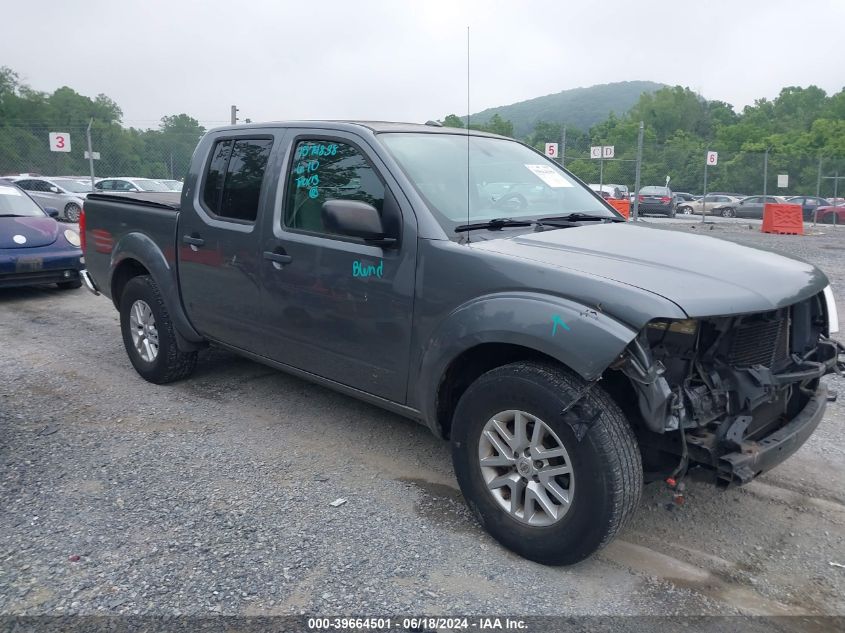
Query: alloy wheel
{"x":526,"y":468}
{"x":142,"y":326}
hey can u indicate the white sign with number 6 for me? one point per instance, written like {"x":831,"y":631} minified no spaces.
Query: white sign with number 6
{"x":712,"y":158}
{"x":595,"y":151}
{"x":551,"y":150}
{"x":59,"y":142}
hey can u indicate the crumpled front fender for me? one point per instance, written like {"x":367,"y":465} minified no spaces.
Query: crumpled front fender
{"x":582,"y":338}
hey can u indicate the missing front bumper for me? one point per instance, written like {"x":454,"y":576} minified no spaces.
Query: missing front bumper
{"x":755,"y":457}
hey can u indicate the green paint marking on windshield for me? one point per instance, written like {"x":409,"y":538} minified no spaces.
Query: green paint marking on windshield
{"x":556,"y":320}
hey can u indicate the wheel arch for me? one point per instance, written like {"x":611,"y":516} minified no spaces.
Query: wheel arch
{"x":137,"y":254}
{"x":494,"y":331}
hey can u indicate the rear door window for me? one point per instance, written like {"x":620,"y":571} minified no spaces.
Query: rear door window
{"x":233,"y":181}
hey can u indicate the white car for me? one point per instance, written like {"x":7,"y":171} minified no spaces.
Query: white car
{"x":128,"y":183}
{"x":62,"y":193}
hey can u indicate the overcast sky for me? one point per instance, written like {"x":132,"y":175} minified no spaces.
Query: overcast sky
{"x":402,"y":60}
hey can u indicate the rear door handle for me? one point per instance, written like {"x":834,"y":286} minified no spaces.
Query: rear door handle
{"x":193,"y":241}
{"x":278,"y":258}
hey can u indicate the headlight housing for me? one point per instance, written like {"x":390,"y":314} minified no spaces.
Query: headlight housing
{"x":832,"y":315}
{"x":72,"y":237}
{"x":680,"y":326}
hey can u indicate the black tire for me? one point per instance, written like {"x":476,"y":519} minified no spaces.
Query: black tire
{"x":70,"y":285}
{"x":72,"y":212}
{"x":671,"y":213}
{"x":606,"y":461}
{"x":685,"y":210}
{"x":728,"y":212}
{"x":170,"y":363}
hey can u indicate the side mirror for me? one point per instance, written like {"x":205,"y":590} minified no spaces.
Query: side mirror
{"x":54,"y":189}
{"x":355,"y":219}
{"x":53,"y":213}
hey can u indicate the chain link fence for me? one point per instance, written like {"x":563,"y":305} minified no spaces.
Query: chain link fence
{"x":117,"y":152}
{"x":736,"y":172}
{"x":156,"y":154}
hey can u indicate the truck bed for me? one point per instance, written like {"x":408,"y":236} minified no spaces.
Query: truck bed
{"x":138,"y":222}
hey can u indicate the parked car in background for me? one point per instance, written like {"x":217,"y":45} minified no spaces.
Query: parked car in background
{"x":683,"y":196}
{"x":64,"y":194}
{"x":831,"y":214}
{"x":173,"y":185}
{"x":607,"y":192}
{"x":809,"y":204}
{"x":750,"y":207}
{"x":124,"y":183}
{"x":712,"y":202}
{"x":34,"y":248}
{"x":655,"y":199}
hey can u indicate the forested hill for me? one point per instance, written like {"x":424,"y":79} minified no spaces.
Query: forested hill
{"x":580,"y":108}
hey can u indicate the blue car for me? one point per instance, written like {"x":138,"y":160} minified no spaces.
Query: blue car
{"x":34,"y":248}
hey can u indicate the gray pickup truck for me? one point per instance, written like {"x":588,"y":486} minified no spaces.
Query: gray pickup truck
{"x":467,"y":282}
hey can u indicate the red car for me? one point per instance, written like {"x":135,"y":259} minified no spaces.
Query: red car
{"x":826,"y":215}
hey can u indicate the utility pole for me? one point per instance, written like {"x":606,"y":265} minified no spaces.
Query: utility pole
{"x":637,"y":173}
{"x":234,"y":115}
{"x":819,"y":181}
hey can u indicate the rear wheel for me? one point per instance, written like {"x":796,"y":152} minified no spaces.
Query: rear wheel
{"x":72,"y":211}
{"x":148,"y":334}
{"x":552,"y":486}
{"x":671,"y":213}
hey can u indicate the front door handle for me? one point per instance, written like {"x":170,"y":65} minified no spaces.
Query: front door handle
{"x":278,"y":258}
{"x":193,"y":241}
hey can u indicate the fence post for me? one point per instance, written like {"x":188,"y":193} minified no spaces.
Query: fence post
{"x":90,"y":153}
{"x":563,"y":147}
{"x":765,"y":173}
{"x":636,"y":212}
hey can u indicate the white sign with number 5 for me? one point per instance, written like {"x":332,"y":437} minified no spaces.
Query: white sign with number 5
{"x":59,"y":142}
{"x":551,"y":150}
{"x":712,"y":158}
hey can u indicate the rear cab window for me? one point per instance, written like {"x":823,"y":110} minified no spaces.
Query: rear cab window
{"x":233,"y":179}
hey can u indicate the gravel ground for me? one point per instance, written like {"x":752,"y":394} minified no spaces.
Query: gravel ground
{"x":214,"y":495}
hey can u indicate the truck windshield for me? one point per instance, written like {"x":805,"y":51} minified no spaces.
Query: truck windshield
{"x":506,"y":179}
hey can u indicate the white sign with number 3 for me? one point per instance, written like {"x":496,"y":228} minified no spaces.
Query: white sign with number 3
{"x":712,"y":158}
{"x":59,"y":142}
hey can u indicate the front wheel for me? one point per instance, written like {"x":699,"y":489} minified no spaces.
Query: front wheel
{"x":686,"y":210}
{"x":727,"y":212}
{"x":148,"y":334}
{"x":553,"y":487}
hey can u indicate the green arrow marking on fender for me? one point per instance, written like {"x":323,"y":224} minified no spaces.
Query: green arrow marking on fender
{"x":556,"y":320}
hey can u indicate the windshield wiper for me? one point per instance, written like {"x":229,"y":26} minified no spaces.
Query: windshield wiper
{"x":581,"y":217}
{"x":495,"y":224}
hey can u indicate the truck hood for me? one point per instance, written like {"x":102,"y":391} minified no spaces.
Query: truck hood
{"x":702,"y":275}
{"x":28,"y":232}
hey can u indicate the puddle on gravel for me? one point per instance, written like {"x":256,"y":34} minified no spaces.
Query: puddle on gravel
{"x":645,"y":560}
{"x":443,"y":505}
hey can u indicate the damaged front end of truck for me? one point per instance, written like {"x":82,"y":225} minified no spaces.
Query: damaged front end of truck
{"x":734,"y":394}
